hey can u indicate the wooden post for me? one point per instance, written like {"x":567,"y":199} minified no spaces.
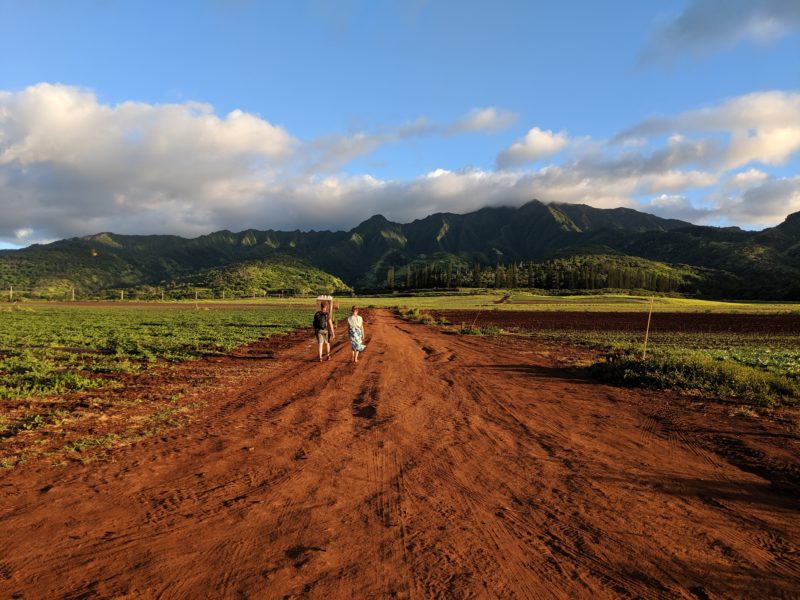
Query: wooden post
{"x":223,"y":294}
{"x":647,"y":331}
{"x":162,"y":295}
{"x":195,"y":295}
{"x":11,"y":293}
{"x":73,"y":294}
{"x":122,"y":295}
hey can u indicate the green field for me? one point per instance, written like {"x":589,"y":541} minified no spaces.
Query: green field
{"x":49,"y":349}
{"x":599,"y":303}
{"x":79,"y":379}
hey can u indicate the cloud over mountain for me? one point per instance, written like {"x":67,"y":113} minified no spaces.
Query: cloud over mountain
{"x":72,"y":165}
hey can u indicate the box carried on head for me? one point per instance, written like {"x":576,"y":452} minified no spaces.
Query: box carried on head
{"x":332,"y":306}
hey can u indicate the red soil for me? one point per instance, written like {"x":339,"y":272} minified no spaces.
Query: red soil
{"x":440,"y":466}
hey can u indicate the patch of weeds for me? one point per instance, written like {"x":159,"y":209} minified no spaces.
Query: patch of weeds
{"x":32,"y":421}
{"x":168,"y":416}
{"x":487,"y":330}
{"x":416,"y":315}
{"x":87,"y":443}
{"x":743,"y":411}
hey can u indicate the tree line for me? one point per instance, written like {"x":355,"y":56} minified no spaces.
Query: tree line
{"x":574,"y":273}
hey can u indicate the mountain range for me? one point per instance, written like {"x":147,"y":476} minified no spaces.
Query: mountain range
{"x":729,"y":261}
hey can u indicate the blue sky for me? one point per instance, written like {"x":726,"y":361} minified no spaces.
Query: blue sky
{"x":188,"y":117}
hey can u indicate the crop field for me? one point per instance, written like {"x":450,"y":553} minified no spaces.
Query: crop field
{"x":63,"y":366}
{"x":525,"y":301}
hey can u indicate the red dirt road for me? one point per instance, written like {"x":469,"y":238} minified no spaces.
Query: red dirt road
{"x":439,"y":467}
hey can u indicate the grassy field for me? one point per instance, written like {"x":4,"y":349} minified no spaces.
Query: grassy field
{"x":79,"y":379}
{"x":49,"y":349}
{"x":599,"y":303}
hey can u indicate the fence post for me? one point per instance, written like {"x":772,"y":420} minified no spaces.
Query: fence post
{"x":11,"y":293}
{"x":647,"y":331}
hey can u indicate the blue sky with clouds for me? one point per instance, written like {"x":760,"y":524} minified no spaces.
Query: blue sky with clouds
{"x":189,"y":117}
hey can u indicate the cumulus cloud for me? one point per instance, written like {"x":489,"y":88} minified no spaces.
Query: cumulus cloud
{"x":536,"y":144}
{"x":762,"y":127}
{"x":705,"y":26}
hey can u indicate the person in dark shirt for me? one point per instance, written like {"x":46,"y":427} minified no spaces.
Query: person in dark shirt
{"x":323,"y":330}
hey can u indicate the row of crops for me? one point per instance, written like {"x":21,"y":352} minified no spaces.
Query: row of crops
{"x":45,"y":350}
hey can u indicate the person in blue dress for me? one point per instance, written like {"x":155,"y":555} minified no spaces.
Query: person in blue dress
{"x":355,"y":324}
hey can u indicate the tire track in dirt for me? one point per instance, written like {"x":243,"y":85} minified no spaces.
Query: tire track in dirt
{"x":438,"y":467}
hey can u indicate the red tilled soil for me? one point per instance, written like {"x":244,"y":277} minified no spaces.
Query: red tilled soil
{"x":438,"y":467}
{"x":633,"y":321}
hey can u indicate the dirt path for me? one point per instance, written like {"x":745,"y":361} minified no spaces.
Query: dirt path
{"x":439,"y":467}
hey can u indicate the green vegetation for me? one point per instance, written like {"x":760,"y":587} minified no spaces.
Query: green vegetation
{"x":55,"y":349}
{"x":76,"y":380}
{"x":244,"y":279}
{"x":594,"y":272}
{"x":484,"y":301}
{"x":709,"y":372}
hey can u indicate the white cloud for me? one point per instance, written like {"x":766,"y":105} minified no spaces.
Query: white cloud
{"x":762,"y":127}
{"x":71,"y":165}
{"x":487,"y":120}
{"x":705,"y":26}
{"x":536,"y":144}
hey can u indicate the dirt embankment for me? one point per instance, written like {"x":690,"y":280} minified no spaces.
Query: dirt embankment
{"x":438,"y":467}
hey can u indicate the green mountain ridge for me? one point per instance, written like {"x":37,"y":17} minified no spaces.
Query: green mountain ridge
{"x":728,"y":262}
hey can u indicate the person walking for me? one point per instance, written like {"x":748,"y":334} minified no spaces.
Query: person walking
{"x":323,"y":330}
{"x":355,"y":324}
